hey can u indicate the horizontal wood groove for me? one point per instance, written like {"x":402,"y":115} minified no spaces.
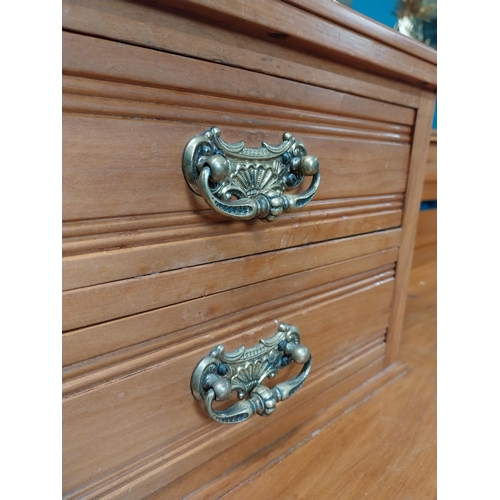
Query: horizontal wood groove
{"x":152,"y":26}
{"x":346,"y":17}
{"x":95,"y":304}
{"x":94,"y":227}
{"x":166,"y":326}
{"x":167,"y":71}
{"x":87,"y":375}
{"x":126,"y":100}
{"x":156,"y":111}
{"x":111,"y":266}
{"x":238,"y":318}
{"x":117,"y":167}
{"x":329,"y":39}
{"x":180,"y":454}
{"x":155,"y":395}
{"x":189,"y":226}
{"x":90,"y":96}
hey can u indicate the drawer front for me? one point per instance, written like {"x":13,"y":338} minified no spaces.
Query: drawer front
{"x":143,"y":330}
{"x":134,"y":405}
{"x":154,"y":280}
{"x":127,"y":208}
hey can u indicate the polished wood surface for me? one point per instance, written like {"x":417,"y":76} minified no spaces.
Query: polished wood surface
{"x":365,"y":26}
{"x":91,"y":305}
{"x":385,"y":448}
{"x":427,"y":219}
{"x":427,"y":228}
{"x":126,"y":124}
{"x":173,"y":318}
{"x":430,"y":183}
{"x":295,"y":28}
{"x":153,"y":280}
{"x":145,"y":25}
{"x":410,"y":218}
{"x":151,"y":387}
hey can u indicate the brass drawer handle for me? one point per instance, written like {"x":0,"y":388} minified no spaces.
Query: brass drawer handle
{"x":220,"y":373}
{"x":255,"y":177}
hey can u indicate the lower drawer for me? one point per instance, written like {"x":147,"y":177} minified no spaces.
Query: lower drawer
{"x":130,"y":413}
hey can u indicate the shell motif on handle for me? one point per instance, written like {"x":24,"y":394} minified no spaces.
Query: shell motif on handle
{"x":220,"y":373}
{"x":244,"y":183}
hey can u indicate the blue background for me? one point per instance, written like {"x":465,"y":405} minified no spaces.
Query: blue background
{"x":382,"y":11}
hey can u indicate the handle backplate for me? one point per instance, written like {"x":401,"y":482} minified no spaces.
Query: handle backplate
{"x":244,"y":183}
{"x":220,"y":373}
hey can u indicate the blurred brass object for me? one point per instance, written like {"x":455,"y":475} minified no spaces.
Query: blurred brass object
{"x":244,"y":183}
{"x":413,"y":17}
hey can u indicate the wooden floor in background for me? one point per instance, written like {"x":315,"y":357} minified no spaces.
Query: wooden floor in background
{"x":385,"y":448}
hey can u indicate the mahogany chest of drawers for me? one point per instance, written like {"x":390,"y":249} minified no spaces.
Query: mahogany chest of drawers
{"x":153,"y":279}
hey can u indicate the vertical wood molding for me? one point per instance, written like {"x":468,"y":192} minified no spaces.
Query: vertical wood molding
{"x":415,"y":183}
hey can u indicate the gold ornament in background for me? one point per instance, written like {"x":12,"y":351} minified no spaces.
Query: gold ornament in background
{"x":413,"y":15}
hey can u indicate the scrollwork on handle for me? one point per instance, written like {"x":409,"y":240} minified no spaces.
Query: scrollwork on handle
{"x":220,"y":373}
{"x":244,"y":183}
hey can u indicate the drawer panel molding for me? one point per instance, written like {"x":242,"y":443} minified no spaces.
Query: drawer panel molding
{"x":139,"y":334}
{"x":92,"y":305}
{"x":171,"y":459}
{"x":108,"y":98}
{"x":164,"y":70}
{"x":331,"y":310}
{"x":176,"y":33}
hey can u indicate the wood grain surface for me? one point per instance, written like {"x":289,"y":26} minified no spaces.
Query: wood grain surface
{"x":329,"y":333}
{"x":430,"y":182}
{"x":121,"y":62}
{"x":339,"y":14}
{"x":81,"y":237}
{"x":151,"y":25}
{"x":427,"y":228}
{"x":413,"y":199}
{"x":384,"y":449}
{"x":302,"y":30}
{"x":178,"y":322}
{"x":113,"y":147}
{"x":159,"y":394}
{"x":91,"y":305}
{"x":153,"y":280}
{"x":347,"y":385}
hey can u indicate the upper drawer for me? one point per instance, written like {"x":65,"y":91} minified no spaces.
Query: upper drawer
{"x":130,"y":111}
{"x":123,"y":142}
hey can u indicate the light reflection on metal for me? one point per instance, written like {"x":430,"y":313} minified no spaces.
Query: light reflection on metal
{"x":220,"y":373}
{"x":244,"y":183}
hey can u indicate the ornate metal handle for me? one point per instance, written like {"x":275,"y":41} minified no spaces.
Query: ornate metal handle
{"x":220,"y":373}
{"x":255,"y":177}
